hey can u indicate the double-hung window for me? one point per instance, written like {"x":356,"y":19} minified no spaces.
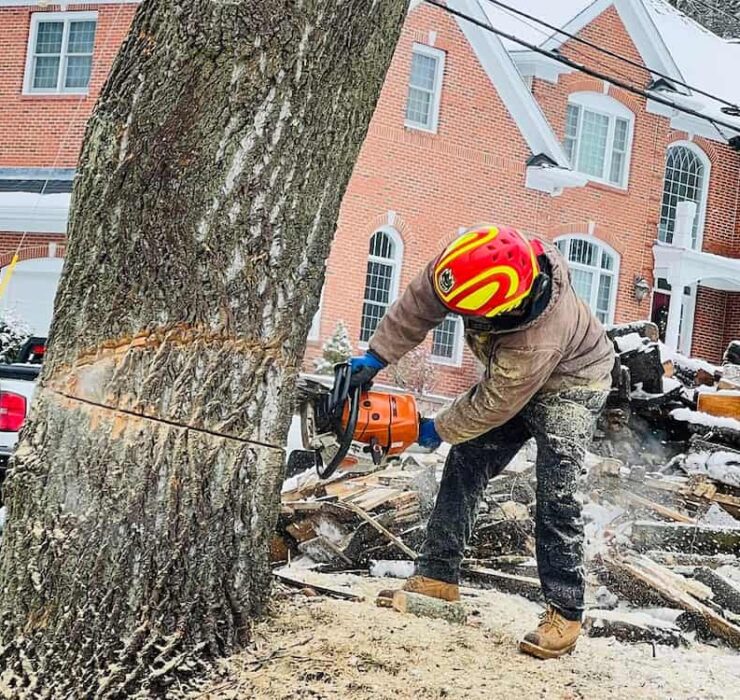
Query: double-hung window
{"x":425,"y":88}
{"x":598,"y":137}
{"x":594,"y":270}
{"x":447,"y":341}
{"x":60,"y":51}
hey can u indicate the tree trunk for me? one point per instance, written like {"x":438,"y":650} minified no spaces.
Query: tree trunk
{"x":146,"y":485}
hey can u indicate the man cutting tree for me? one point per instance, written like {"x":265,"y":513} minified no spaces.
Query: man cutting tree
{"x":547,"y":374}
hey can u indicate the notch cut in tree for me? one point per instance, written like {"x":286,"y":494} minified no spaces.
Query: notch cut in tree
{"x":146,"y":485}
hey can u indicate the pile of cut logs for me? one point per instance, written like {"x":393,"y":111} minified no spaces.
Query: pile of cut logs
{"x":662,"y":507}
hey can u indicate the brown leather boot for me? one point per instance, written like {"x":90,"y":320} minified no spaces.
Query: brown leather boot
{"x":422,"y":585}
{"x":554,"y":637}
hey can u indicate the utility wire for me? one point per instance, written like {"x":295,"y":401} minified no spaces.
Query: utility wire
{"x":611,"y":54}
{"x":512,"y":12}
{"x":558,"y":58}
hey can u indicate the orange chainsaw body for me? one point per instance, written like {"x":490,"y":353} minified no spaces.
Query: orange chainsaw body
{"x":386,"y":422}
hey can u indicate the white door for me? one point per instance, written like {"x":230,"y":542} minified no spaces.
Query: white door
{"x":30,"y":292}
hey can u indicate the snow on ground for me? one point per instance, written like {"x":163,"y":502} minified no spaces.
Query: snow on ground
{"x":392,"y":569}
{"x":332,"y":649}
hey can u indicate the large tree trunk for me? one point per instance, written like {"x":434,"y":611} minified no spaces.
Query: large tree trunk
{"x":146,"y":485}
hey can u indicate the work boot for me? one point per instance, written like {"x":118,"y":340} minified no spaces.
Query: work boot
{"x":449,"y":592}
{"x":554,"y":637}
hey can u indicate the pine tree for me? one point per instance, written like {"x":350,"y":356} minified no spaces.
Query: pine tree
{"x":336,"y":349}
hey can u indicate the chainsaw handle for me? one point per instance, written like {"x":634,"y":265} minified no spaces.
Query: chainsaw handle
{"x":345,"y":441}
{"x":341,"y":388}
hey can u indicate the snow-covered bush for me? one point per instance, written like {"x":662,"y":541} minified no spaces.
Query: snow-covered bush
{"x":13,"y":334}
{"x":336,"y":349}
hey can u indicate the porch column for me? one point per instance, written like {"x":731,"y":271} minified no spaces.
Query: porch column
{"x":685,"y":215}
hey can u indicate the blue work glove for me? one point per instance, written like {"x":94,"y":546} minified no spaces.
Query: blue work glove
{"x":364,"y":368}
{"x":428,"y":435}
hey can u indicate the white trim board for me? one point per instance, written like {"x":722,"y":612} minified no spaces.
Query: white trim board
{"x":639,"y":26}
{"x":508,"y":82}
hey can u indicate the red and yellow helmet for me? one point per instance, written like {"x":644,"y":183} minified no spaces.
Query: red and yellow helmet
{"x":487,"y":271}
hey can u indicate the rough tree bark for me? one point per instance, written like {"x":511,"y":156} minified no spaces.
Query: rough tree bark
{"x":146,"y":483}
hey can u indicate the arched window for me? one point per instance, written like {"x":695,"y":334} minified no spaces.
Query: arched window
{"x":381,"y":280}
{"x":598,"y":137}
{"x":594,"y":272}
{"x":686,"y":179}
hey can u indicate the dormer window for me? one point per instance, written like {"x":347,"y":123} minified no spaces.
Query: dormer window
{"x":598,"y":137}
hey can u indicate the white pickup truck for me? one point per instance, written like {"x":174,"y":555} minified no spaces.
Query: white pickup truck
{"x":17,"y":386}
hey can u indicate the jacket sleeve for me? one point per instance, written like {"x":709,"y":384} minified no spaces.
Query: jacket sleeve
{"x":409,"y":319}
{"x":515,"y":375}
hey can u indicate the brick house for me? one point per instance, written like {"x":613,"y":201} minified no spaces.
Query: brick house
{"x":53,"y":61}
{"x":469,"y":128}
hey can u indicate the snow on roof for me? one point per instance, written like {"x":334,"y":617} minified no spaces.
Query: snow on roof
{"x":703,"y":58}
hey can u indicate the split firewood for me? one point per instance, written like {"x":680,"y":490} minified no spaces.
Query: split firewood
{"x":664,"y":511}
{"x":302,"y":530}
{"x":645,"y":329}
{"x":726,"y":592}
{"x":686,"y":538}
{"x":321,"y":549}
{"x":424,"y":606}
{"x":646,"y":368}
{"x":675,"y":590}
{"x":724,"y":404}
{"x":632,"y":627}
{"x":524,"y":586}
{"x":387,"y":533}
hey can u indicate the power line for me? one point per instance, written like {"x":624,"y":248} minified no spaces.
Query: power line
{"x":548,"y":35}
{"x":611,"y":54}
{"x":558,"y":58}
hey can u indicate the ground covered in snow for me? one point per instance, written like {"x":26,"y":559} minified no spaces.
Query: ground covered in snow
{"x":323,"y":648}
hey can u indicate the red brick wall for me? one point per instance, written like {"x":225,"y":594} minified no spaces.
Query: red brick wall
{"x":34,"y":245}
{"x":47,"y":130}
{"x":708,"y":342}
{"x":473,"y":170}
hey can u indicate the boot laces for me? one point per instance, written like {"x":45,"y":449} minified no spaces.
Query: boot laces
{"x":550,"y":619}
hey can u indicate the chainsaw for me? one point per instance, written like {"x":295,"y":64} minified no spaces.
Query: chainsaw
{"x":334,"y":419}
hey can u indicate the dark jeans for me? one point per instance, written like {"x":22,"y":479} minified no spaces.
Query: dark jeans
{"x":562,"y":425}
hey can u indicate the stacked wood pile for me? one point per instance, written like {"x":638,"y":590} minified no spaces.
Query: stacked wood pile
{"x":662,"y":509}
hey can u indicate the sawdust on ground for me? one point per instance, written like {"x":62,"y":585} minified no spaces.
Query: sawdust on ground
{"x":322,"y":648}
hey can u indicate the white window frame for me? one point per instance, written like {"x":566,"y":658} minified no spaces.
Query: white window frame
{"x":702,"y":206}
{"x":66,"y":17}
{"x":605,"y":106}
{"x":395,"y":262}
{"x":604,"y":247}
{"x":457,"y":353}
{"x":439,"y":55}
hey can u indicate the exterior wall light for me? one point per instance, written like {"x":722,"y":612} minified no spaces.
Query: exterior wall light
{"x":641,"y":289}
